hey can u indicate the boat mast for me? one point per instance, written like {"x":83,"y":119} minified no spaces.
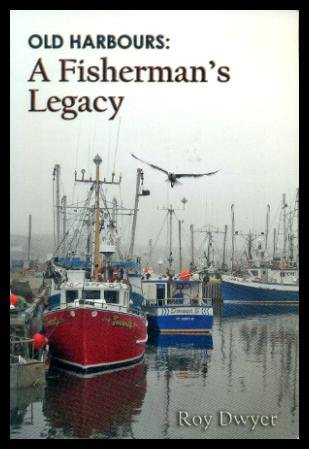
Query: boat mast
{"x":284,"y":205}
{"x":89,"y":223}
{"x":233,"y":235}
{"x":209,"y":247}
{"x":224,"y":247}
{"x":96,"y":184}
{"x":138,"y":180}
{"x":57,"y":171}
{"x":97,"y":160}
{"x":64,"y":209}
{"x":115,"y":212}
{"x":290,"y":238}
{"x":170,"y":259}
{"x":267,"y":227}
{"x":115,"y":224}
{"x":170,"y":212}
{"x":179,"y":239}
{"x":56,"y":207}
{"x":275,"y":245}
{"x":250,"y":240}
{"x":192,"y":246}
{"x":29,"y":239}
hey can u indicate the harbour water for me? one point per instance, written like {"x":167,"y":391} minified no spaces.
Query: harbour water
{"x":239,"y":383}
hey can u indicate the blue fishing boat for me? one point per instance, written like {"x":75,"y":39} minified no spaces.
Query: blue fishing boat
{"x":175,"y":305}
{"x":264,"y":285}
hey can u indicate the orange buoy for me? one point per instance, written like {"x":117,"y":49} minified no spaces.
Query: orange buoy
{"x":39,"y":341}
{"x":185,"y":275}
{"x":13,"y":299}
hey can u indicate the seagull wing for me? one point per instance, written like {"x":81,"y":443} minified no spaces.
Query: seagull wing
{"x":151,"y":165}
{"x":182,"y":175}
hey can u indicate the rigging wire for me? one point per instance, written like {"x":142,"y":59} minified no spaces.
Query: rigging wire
{"x":117,"y":142}
{"x":108,"y":149}
{"x":157,"y":238}
{"x":78,"y":231}
{"x":54,"y":212}
{"x":79,"y":226}
{"x":76,"y":158}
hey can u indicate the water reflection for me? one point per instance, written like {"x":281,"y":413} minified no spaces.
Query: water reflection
{"x":178,"y":361}
{"x":228,"y":309}
{"x":249,"y":365}
{"x":260,"y":358}
{"x":22,"y":402}
{"x":103,"y":406}
{"x":181,"y":341}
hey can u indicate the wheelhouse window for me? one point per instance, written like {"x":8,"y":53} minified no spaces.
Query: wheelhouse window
{"x":111,"y":296}
{"x":160,"y":291}
{"x":91,"y":294}
{"x":71,"y":295}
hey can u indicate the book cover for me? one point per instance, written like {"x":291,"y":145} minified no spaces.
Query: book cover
{"x":194,"y":117}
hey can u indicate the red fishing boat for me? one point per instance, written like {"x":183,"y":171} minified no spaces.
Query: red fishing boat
{"x":94,"y":327}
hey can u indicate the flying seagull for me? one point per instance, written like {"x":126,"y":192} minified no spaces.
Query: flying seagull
{"x":172,"y":177}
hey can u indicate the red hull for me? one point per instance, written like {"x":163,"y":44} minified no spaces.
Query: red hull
{"x":92,"y":340}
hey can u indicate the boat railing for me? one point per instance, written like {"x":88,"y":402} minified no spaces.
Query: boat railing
{"x":137,"y":311}
{"x":20,"y":348}
{"x":96,"y":305}
{"x":203,"y":302}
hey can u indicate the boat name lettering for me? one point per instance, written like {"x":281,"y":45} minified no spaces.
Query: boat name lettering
{"x":117,"y":321}
{"x":54,"y":321}
{"x":184,"y":311}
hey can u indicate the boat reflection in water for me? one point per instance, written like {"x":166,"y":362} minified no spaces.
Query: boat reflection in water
{"x":103,"y":406}
{"x":181,"y":341}
{"x":182,"y":355}
{"x":178,"y":361}
{"x":22,"y":404}
{"x":242,"y":309}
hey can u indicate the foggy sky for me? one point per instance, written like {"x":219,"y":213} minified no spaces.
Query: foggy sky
{"x":247,"y":127}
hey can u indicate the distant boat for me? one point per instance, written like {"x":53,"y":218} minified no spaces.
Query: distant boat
{"x":266,"y":281}
{"x":263,"y":285}
{"x":176,"y":305}
{"x":94,"y":327}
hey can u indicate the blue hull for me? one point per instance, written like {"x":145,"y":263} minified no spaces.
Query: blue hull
{"x":180,"y":323}
{"x":233,"y":292}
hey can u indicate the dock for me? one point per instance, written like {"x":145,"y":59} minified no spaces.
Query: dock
{"x":212,"y":289}
{"x":25,"y":321}
{"x":25,"y":370}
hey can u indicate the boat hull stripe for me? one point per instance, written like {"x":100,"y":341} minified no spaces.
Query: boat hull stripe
{"x":90,"y":369}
